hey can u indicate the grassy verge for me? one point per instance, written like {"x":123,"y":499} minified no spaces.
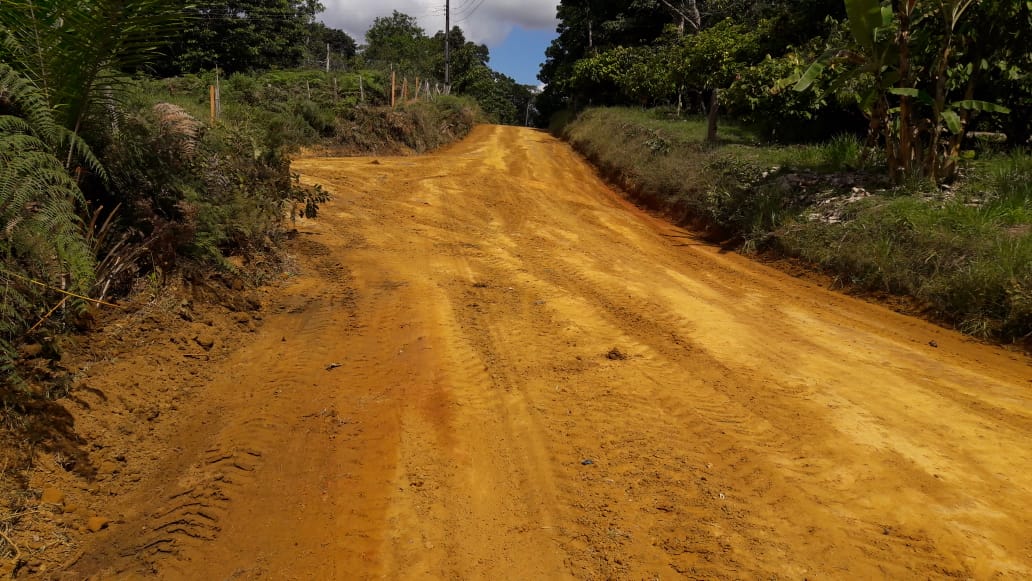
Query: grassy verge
{"x":338,"y":112}
{"x":964,"y":252}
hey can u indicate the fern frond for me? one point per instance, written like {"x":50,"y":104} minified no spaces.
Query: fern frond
{"x":30,"y":102}
{"x":179,"y":127}
{"x":40,"y":229}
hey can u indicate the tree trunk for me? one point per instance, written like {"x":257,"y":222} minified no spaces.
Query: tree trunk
{"x":935,"y":159}
{"x":693,"y":15}
{"x":711,"y":117}
{"x":956,"y":140}
{"x":905,"y":137}
{"x":591,"y":39}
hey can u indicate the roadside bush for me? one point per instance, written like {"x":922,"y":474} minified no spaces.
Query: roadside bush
{"x":967,"y":265}
{"x":167,"y":189}
{"x":415,"y":127}
{"x":189,"y":191}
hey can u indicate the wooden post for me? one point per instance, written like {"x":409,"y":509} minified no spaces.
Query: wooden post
{"x":211,"y":98}
{"x":335,"y":89}
{"x":327,"y":58}
{"x":447,"y":34}
{"x":417,"y":89}
{"x":393,"y":84}
{"x":309,"y":88}
{"x":404,"y":90}
{"x":218,"y":95}
{"x":361,"y":91}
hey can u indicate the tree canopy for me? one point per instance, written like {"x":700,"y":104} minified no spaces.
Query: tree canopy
{"x":742,"y":56}
{"x":246,"y":35}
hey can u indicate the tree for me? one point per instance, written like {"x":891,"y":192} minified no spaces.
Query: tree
{"x":993,"y":42}
{"x":586,"y":28}
{"x":398,"y":41}
{"x":713,"y":58}
{"x":240,"y":35}
{"x":662,"y":33}
{"x":641,"y":74}
{"x":322,"y":40}
{"x":467,"y":59}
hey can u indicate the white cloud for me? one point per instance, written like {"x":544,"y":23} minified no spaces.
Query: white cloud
{"x":483,"y":21}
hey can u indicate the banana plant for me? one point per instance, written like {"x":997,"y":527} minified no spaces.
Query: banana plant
{"x":908,"y":118}
{"x":872,"y":58}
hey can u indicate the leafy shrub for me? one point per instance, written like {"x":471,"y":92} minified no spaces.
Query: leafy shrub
{"x":762,"y":98}
{"x":195,"y":192}
{"x":417,"y":127}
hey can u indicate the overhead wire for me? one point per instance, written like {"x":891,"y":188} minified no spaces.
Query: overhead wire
{"x":470,"y":14}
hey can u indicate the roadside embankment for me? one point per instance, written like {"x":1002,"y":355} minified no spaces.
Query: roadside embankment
{"x":963,"y":252}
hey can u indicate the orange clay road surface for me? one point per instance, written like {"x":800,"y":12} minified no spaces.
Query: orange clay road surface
{"x":537,"y":380}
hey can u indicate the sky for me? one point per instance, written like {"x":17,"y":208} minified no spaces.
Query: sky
{"x":516,"y":31}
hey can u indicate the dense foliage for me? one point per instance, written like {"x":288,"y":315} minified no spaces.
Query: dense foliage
{"x":250,"y":35}
{"x":934,"y":68}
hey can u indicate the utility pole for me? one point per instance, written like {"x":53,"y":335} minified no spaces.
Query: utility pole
{"x":447,"y":33}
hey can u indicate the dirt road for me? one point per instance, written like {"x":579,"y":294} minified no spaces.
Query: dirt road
{"x":492,"y":367}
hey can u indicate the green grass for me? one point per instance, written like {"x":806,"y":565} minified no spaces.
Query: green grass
{"x":688,"y":129}
{"x":965,"y":252}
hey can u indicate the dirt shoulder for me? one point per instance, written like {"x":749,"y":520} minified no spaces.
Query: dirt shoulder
{"x":123,"y":394}
{"x":490,"y":365}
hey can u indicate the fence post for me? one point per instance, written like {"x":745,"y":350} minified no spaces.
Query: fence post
{"x":211,"y":99}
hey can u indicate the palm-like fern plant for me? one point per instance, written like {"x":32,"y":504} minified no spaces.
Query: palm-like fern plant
{"x":77,"y":52}
{"x":40,"y":231}
{"x":59,"y":60}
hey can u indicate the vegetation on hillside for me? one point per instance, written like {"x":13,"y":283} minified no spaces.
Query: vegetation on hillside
{"x":111,"y":168}
{"x":965,"y":253}
{"x":914,"y":76}
{"x":397,"y":43}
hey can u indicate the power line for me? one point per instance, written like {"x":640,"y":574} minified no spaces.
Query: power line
{"x":471,"y":12}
